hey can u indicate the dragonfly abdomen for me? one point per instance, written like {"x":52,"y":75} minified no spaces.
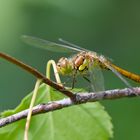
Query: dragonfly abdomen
{"x":127,"y":74}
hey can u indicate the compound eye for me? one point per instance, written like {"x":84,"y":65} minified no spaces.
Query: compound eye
{"x":62,"y":62}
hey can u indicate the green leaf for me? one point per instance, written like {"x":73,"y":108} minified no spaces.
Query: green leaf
{"x":82,"y":122}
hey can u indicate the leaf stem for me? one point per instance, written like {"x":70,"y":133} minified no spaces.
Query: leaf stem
{"x":56,"y":74}
{"x":38,"y":82}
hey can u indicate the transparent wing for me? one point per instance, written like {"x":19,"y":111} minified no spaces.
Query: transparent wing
{"x":48,"y":45}
{"x":119,"y":76}
{"x":96,"y":77}
{"x":72,"y":45}
{"x":115,"y":72}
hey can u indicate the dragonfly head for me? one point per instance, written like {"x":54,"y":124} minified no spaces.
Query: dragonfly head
{"x":64,"y":66}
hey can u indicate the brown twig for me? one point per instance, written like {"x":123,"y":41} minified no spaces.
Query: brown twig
{"x":37,"y":74}
{"x":80,"y":99}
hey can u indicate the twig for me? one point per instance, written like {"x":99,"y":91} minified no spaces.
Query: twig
{"x":37,"y":74}
{"x":80,"y":99}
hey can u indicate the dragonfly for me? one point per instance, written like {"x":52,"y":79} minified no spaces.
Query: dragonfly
{"x":83,"y":62}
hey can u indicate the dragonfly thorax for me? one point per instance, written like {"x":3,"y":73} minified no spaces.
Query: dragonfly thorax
{"x":82,"y":61}
{"x":78,"y":63}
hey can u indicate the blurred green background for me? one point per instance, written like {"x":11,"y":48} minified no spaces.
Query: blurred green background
{"x":111,"y":28}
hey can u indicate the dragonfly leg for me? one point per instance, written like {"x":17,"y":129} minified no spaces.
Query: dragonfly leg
{"x":88,"y":80}
{"x":73,"y":79}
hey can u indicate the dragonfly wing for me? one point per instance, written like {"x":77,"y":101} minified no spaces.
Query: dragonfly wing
{"x":72,"y":45}
{"x":119,"y":75}
{"x":48,"y":45}
{"x":107,"y":64}
{"x":96,"y":77}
